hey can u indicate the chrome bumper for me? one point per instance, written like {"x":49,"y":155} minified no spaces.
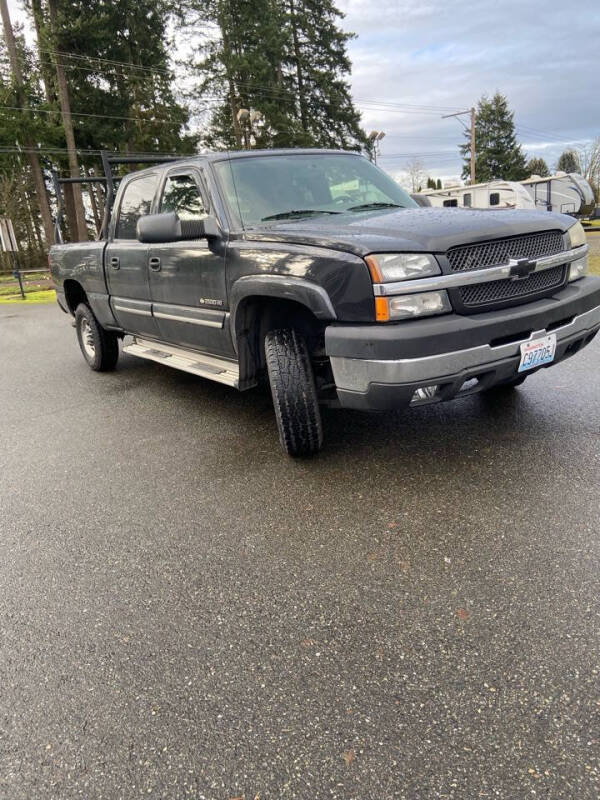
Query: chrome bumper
{"x":357,"y":375}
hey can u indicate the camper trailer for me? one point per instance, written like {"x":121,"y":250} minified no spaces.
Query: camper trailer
{"x":567,"y":193}
{"x":496,"y":194}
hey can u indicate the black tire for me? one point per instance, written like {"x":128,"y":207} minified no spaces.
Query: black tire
{"x":100,"y":348}
{"x":294,"y":393}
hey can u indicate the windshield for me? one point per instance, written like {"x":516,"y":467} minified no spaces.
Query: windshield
{"x":266,"y":188}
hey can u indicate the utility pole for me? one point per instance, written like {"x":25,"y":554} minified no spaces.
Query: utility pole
{"x":471,"y":112}
{"x":34,"y":161}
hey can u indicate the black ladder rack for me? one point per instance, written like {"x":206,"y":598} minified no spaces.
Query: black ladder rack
{"x":108,"y":180}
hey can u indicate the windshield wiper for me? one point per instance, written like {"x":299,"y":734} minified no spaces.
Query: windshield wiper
{"x":298,"y":212}
{"x":369,"y":206}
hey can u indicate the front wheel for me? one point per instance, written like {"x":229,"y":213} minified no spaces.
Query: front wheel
{"x":294,"y":393}
{"x":100,"y":348}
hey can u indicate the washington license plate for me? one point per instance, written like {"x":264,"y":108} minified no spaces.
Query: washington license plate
{"x":537,"y":352}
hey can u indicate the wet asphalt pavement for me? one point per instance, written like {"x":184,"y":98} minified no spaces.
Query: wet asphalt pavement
{"x":186,"y":613}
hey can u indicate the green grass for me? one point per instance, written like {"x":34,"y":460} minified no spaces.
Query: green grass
{"x":31,"y":297}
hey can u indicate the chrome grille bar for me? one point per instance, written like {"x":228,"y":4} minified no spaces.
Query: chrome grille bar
{"x":486,"y":275}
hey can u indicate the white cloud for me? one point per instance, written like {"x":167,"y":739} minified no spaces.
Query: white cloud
{"x":542,"y":55}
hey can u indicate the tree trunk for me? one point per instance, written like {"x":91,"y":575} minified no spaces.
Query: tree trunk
{"x":299,"y":75}
{"x":65,"y":106}
{"x":45,"y":65}
{"x":67,"y":189}
{"x":34,"y":220}
{"x":36,"y":169}
{"x":92,"y":194}
{"x":230,"y":84}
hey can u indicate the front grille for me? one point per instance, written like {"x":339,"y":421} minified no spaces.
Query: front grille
{"x":499,"y":251}
{"x":480,"y":294}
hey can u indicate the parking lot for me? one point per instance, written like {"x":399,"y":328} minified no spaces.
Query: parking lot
{"x":187,"y":613}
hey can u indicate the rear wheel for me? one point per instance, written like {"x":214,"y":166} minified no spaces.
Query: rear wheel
{"x":294,"y":393}
{"x":100,"y":348}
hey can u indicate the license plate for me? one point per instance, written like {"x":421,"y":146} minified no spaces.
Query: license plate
{"x":537,"y":352}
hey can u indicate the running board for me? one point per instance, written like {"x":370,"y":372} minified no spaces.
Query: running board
{"x":216,"y":369}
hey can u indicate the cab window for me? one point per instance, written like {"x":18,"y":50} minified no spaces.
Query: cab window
{"x":450,"y":203}
{"x":181,"y":195}
{"x":135,"y":203}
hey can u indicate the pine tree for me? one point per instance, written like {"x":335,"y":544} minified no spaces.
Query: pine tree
{"x":568,"y":162}
{"x":285,"y":59}
{"x":439,"y":183}
{"x":317,"y":55}
{"x":19,"y":126}
{"x":243,"y":66}
{"x":127,"y":84}
{"x":497,"y":153}
{"x":537,"y":166}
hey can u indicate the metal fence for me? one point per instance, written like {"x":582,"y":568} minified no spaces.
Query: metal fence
{"x":21,"y":279}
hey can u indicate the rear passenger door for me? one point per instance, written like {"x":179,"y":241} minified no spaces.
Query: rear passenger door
{"x":187,"y":278}
{"x":127,"y":258}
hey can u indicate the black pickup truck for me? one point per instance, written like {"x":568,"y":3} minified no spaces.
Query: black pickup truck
{"x":316,"y":270}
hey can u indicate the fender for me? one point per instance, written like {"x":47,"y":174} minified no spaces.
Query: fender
{"x":311,"y":295}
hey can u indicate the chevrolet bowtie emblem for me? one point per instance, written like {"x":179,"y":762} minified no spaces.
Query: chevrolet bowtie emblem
{"x":521,"y":268}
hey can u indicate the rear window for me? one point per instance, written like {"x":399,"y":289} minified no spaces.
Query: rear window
{"x":135,"y":203}
{"x":495,"y":199}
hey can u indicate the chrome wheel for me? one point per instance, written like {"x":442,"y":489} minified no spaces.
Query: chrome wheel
{"x":87,"y":339}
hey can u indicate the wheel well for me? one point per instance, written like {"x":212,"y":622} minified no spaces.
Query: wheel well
{"x":256,"y":316}
{"x":74,"y":294}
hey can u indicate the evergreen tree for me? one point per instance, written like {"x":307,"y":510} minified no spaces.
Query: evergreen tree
{"x":537,"y":166}
{"x":568,"y":162}
{"x":285,"y":59}
{"x":497,"y":153}
{"x":439,"y":183}
{"x":127,"y":85}
{"x":317,"y":55}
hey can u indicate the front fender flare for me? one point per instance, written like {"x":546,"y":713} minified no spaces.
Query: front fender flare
{"x":285,"y":287}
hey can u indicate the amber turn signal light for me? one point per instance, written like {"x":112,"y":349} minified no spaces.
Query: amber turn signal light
{"x":382,"y":309}
{"x":373,"y":266}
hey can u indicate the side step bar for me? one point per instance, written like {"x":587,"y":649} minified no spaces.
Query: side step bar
{"x":212,"y":367}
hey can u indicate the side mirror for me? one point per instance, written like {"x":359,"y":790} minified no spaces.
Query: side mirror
{"x":167,"y":227}
{"x":158,"y":228}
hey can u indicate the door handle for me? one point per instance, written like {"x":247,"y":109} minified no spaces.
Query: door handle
{"x":115,"y":263}
{"x":154,"y":263}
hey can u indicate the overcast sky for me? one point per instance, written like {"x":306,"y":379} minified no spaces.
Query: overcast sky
{"x":544,"y":55}
{"x":442,"y":55}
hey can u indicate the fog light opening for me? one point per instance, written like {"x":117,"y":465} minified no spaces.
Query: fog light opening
{"x":425,"y":393}
{"x":471,"y":383}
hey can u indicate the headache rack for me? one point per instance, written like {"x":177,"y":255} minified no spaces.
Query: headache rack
{"x":108,"y":181}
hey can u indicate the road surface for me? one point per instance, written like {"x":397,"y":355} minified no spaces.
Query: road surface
{"x":186,"y":613}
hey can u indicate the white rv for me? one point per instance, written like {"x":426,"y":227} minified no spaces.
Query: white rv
{"x":496,"y":194}
{"x":567,"y":193}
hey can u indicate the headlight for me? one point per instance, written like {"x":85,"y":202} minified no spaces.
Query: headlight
{"x":408,"y":306}
{"x":576,"y":235}
{"x":388,"y":267}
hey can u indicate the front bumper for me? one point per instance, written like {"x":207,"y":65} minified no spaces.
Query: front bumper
{"x":381,"y":367}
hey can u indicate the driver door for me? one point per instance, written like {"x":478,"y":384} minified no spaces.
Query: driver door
{"x":187,"y":278}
